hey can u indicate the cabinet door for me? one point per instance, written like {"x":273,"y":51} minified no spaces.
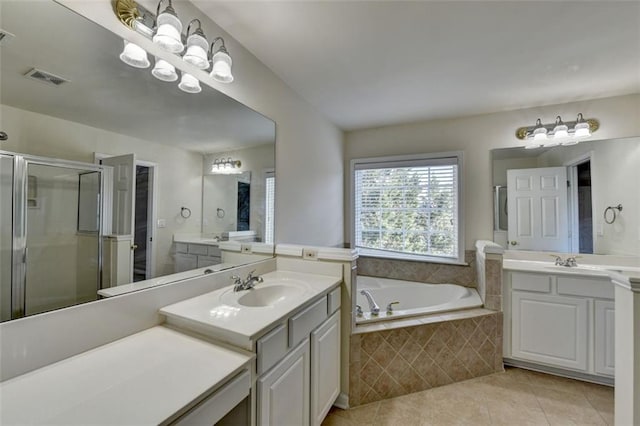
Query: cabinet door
{"x":604,"y":335}
{"x":325,"y":368}
{"x":283,"y":393}
{"x":185,"y":262}
{"x":550,"y":329}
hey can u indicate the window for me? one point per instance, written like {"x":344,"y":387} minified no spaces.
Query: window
{"x":408,"y":207}
{"x":269,"y":208}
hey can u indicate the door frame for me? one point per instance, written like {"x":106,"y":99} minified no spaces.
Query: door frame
{"x":152,"y":207}
{"x":572,"y":198}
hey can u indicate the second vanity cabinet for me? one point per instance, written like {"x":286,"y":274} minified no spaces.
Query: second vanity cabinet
{"x":560,"y":320}
{"x":298,"y":365}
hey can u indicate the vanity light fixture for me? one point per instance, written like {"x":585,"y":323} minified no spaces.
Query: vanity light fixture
{"x":558,"y":133}
{"x":134,"y":55}
{"x":197,"y":45}
{"x":226,"y":166}
{"x":168,"y":33}
{"x":189,"y":84}
{"x":220,"y":62}
{"x":164,"y":71}
{"x":165,"y":30}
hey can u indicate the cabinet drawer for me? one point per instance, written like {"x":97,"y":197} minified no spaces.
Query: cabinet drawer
{"x":583,"y":286}
{"x":539,"y":283}
{"x":333,"y":301}
{"x":182,"y":248}
{"x":271,"y":348}
{"x":197,"y":249}
{"x":207,"y":261}
{"x":301,"y":324}
{"x":220,"y":403}
{"x":214,"y":251}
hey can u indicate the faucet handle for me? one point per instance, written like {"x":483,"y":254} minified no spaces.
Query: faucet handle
{"x":390,"y":307}
{"x":558,"y":259}
{"x":236,"y":279}
{"x":359,"y":310}
{"x":250,"y":274}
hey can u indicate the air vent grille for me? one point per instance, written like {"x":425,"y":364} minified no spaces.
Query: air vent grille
{"x":46,"y":77}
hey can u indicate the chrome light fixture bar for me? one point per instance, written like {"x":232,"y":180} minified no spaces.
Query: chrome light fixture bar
{"x":165,"y":29}
{"x":557,"y":133}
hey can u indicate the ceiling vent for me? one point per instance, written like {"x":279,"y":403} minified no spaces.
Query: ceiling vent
{"x":45,"y":77}
{"x":5,"y":37}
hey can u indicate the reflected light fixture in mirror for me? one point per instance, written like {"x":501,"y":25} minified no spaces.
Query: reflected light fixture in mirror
{"x":558,"y":133}
{"x":226,"y":166}
{"x":189,"y":84}
{"x":134,"y":55}
{"x":164,"y":71}
{"x":168,"y":29}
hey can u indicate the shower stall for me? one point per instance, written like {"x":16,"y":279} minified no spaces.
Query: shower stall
{"x":50,"y":234}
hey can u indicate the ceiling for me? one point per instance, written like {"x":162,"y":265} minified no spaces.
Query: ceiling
{"x":372,"y":63}
{"x":104,"y":92}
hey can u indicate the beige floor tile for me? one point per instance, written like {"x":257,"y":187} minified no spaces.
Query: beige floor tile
{"x":399,"y":411}
{"x":563,"y":407}
{"x":335,"y":420}
{"x":507,"y":413}
{"x":364,"y":414}
{"x":555,"y":382}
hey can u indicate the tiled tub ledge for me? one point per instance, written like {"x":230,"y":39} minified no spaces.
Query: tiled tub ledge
{"x":412,"y":355}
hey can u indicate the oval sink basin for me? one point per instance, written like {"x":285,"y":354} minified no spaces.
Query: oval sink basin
{"x":269,"y":296}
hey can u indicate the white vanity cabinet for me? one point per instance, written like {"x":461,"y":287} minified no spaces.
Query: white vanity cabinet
{"x":560,"y":320}
{"x":298,"y":365}
{"x":190,"y":256}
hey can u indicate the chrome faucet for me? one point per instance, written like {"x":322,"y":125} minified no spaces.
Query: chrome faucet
{"x":247,"y":284}
{"x":359,"y":311}
{"x":373,"y":306}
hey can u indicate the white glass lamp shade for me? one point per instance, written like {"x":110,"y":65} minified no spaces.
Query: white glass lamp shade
{"x":164,"y":71}
{"x":561,"y":131}
{"x":168,"y":34}
{"x":197,"y":51}
{"x":134,"y":55}
{"x":189,"y":84}
{"x":221,"y":69}
{"x":582,"y":130}
{"x":540,"y":134}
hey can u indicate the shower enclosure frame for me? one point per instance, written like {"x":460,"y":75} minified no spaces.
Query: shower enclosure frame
{"x":20,"y":251}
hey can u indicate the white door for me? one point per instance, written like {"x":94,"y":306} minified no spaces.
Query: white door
{"x":537,"y":209}
{"x":325,"y":368}
{"x":124,"y":192}
{"x":549,"y":329}
{"x":283,"y":393}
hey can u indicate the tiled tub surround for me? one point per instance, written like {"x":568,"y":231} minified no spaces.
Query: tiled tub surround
{"x":432,"y":273}
{"x":433,"y":351}
{"x":489,"y":260}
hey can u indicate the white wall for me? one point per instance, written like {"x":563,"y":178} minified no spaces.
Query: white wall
{"x":179,"y":171}
{"x":309,"y":149}
{"x":619,"y":117}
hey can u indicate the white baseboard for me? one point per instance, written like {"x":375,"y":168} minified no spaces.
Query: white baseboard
{"x":342,"y":401}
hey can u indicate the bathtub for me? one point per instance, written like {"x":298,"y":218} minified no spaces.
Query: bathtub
{"x":415,"y":298}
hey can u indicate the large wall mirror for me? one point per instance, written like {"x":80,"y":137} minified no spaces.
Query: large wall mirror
{"x":581,"y":198}
{"x":76,"y":118}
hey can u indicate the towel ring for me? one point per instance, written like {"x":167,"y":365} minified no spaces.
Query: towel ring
{"x":613,"y":210}
{"x":185,"y":212}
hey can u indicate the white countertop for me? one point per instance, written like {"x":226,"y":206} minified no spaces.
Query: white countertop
{"x":145,"y":378}
{"x":629,"y":273}
{"x":216,"y":315}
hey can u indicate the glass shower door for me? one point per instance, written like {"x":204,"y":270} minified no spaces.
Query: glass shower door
{"x":6,"y":234}
{"x":62,"y":237}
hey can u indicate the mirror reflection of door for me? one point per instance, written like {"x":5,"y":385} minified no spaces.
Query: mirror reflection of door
{"x":538,"y":209}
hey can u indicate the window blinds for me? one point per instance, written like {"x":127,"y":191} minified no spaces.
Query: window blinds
{"x":408,"y":206}
{"x":269,"y":208}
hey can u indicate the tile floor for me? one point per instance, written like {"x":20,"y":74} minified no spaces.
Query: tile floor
{"x":515,"y":397}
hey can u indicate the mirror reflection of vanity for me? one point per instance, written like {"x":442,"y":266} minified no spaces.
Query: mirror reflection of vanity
{"x":104,"y":109}
{"x":590,"y":203}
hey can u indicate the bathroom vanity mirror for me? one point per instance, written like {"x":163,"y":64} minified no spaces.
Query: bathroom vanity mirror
{"x":580,"y":198}
{"x":66,"y":95}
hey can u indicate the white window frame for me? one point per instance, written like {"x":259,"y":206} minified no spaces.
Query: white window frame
{"x":397,"y":161}
{"x":269,"y":174}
